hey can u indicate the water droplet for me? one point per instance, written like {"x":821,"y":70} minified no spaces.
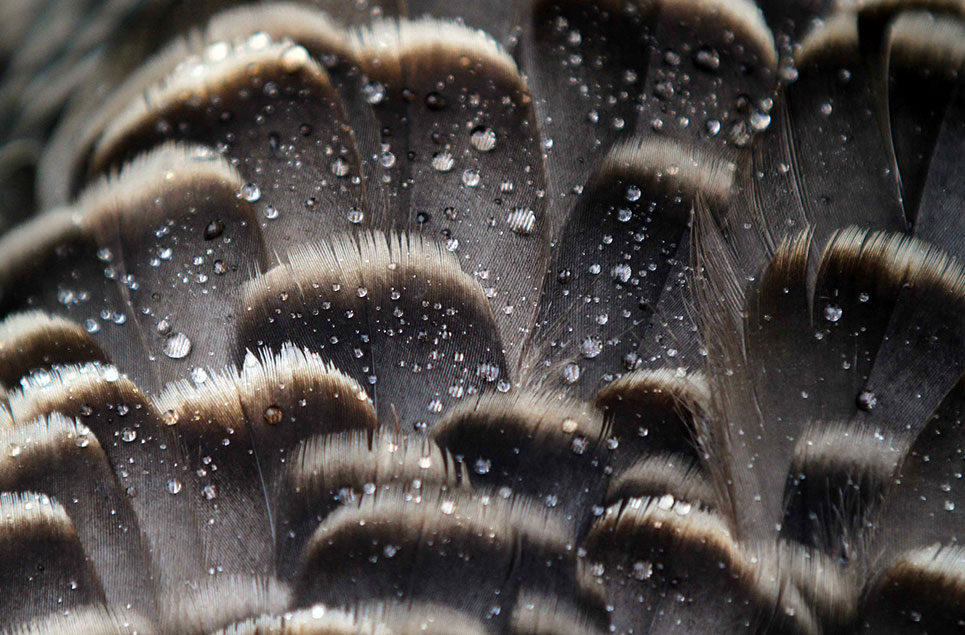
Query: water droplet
{"x":435,"y":101}
{"x":571,"y":373}
{"x":483,"y":139}
{"x":355,"y":216}
{"x":833,"y":313}
{"x":442,"y":162}
{"x":294,"y":58}
{"x":470,"y":178}
{"x":827,"y":109}
{"x":177,"y":346}
{"x":170,"y":417}
{"x":482,"y":466}
{"x":373,"y":92}
{"x":271,"y":212}
{"x":174,"y":486}
{"x":14,"y":450}
{"x":866,"y":400}
{"x":591,"y":346}
{"x":214,"y":229}
{"x":579,"y":445}
{"x":273,"y":415}
{"x":91,"y":325}
{"x":210,"y":492}
{"x":128,"y":435}
{"x":633,"y":193}
{"x":251,"y":192}
{"x":760,"y":121}
{"x":488,"y":371}
{"x":707,"y":59}
{"x":521,"y":220}
{"x":339,"y":167}
{"x":642,"y":570}
{"x":621,"y":272}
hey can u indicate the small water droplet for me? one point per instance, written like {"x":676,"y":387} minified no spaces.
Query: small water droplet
{"x":373,"y":92}
{"x":214,"y":229}
{"x":866,"y":400}
{"x":294,"y":58}
{"x":435,"y":101}
{"x":210,"y":492}
{"x":355,"y":216}
{"x":521,"y":220}
{"x":483,"y":139}
{"x":591,"y":347}
{"x":571,"y":373}
{"x":273,"y":415}
{"x":470,"y":178}
{"x":251,"y":192}
{"x":442,"y":162}
{"x":707,"y":59}
{"x":621,"y":272}
{"x":177,"y":346}
{"x":128,"y":435}
{"x":642,"y":570}
{"x":833,"y":313}
{"x":339,"y":167}
{"x":760,"y":121}
{"x":174,"y":486}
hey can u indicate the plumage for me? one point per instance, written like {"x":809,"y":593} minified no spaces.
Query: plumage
{"x":526,"y":316}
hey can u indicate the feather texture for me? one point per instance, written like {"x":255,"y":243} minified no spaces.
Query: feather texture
{"x":526,"y":316}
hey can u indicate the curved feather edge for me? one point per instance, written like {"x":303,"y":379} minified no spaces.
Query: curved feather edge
{"x":34,"y":340}
{"x":678,"y":530}
{"x":85,"y":620}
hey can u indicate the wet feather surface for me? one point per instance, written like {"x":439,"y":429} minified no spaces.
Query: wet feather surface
{"x":532,"y":316}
